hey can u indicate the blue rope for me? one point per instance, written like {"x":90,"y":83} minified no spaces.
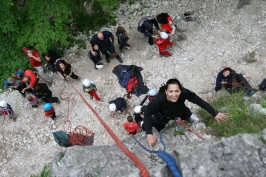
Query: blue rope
{"x":165,"y":156}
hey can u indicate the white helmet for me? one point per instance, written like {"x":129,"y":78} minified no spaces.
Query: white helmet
{"x":86,"y":82}
{"x":99,"y":66}
{"x":137,"y":109}
{"x":164,"y":35}
{"x":3,"y":104}
{"x":112,"y":107}
{"x":152,"y":92}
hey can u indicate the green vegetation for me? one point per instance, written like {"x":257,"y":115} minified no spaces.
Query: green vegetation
{"x":45,"y":172}
{"x":179,"y":132}
{"x":49,"y":24}
{"x":61,"y":155}
{"x":241,"y":120}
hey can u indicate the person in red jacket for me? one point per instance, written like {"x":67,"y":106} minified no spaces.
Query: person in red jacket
{"x":163,"y":42}
{"x":166,"y":23}
{"x":36,"y":62}
{"x":131,"y":126}
{"x":49,"y":111}
{"x":30,"y":79}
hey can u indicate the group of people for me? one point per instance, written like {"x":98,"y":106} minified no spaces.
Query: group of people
{"x":168,"y":103}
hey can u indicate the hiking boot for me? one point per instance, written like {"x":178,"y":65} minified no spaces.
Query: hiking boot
{"x":188,"y":13}
{"x":122,"y":55}
{"x":119,"y":58}
{"x":107,"y":58}
{"x":191,"y":18}
{"x":193,"y":118}
{"x":34,"y":106}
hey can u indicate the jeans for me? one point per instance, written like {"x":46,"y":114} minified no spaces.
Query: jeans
{"x":44,"y":76}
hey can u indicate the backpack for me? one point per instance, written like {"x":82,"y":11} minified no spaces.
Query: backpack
{"x":61,"y":138}
{"x":262,"y":85}
{"x":125,"y":76}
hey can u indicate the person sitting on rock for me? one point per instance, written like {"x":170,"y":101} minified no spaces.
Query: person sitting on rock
{"x":163,"y":42}
{"x":131,"y":126}
{"x":64,"y":69}
{"x":145,"y":26}
{"x":13,"y":81}
{"x":28,"y":81}
{"x":118,"y":105}
{"x":42,"y":91}
{"x":32,"y":100}
{"x":94,"y":55}
{"x":166,"y":23}
{"x":232,"y":82}
{"x":122,"y":40}
{"x":102,"y":39}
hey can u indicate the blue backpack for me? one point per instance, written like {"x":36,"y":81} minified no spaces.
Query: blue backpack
{"x":125,"y":76}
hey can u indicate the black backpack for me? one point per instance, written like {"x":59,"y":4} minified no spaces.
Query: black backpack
{"x":262,"y":85}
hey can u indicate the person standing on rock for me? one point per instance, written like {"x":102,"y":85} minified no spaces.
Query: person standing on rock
{"x":163,"y":43}
{"x":36,"y":62}
{"x":122,"y":40}
{"x":166,"y":23}
{"x":64,"y":69}
{"x":51,"y":56}
{"x":94,"y":55}
{"x":169,"y":104}
{"x":102,"y":39}
{"x":6,"y":109}
{"x":145,"y":26}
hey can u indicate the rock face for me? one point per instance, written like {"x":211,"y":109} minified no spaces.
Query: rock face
{"x":238,"y":156}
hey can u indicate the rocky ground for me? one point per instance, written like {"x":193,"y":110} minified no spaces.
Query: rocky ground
{"x":222,"y":34}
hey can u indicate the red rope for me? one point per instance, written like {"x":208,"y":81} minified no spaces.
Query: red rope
{"x":183,"y":122}
{"x":143,"y":170}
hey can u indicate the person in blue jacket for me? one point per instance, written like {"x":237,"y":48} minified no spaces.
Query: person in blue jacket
{"x":145,"y":26}
{"x":118,"y":105}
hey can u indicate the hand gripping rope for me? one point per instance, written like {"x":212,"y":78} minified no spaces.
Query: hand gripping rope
{"x":143,"y":170}
{"x":165,"y":156}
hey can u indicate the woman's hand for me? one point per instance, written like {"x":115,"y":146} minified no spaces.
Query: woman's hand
{"x":151,"y":139}
{"x":221,"y":116}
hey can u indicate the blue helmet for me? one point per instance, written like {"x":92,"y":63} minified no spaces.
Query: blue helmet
{"x":153,"y":92}
{"x":47,"y":106}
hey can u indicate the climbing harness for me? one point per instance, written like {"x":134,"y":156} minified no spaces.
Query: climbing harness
{"x":165,"y":156}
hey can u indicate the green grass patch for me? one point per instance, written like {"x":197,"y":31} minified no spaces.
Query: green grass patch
{"x":45,"y":172}
{"x":61,"y":155}
{"x":241,"y":120}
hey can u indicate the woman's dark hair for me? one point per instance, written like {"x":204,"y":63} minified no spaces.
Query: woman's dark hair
{"x":170,"y":81}
{"x":47,"y":54}
{"x":30,"y":48}
{"x":93,"y":44}
{"x":230,"y":70}
{"x":162,"y":18}
{"x":57,"y":67}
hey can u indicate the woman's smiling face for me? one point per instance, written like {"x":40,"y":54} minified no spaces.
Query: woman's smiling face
{"x":172,"y":92}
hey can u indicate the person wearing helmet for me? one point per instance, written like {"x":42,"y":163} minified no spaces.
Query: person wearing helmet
{"x":118,"y":105}
{"x":94,"y":55}
{"x":163,"y":42}
{"x":90,"y":88}
{"x":122,"y":38}
{"x":49,"y":111}
{"x":145,"y":26}
{"x":166,"y":23}
{"x":6,"y":109}
{"x":169,"y":104}
{"x":139,"y":113}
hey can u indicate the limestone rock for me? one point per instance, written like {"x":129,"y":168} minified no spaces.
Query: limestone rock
{"x":181,"y":25}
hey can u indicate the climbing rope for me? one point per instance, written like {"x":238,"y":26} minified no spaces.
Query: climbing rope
{"x":143,"y":170}
{"x":79,"y":135}
{"x":166,"y":157}
{"x":183,"y":122}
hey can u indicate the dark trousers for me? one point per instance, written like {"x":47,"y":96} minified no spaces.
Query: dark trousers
{"x":151,"y":38}
{"x":50,"y":99}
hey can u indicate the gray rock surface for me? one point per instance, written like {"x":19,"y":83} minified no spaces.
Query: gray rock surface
{"x":238,"y":156}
